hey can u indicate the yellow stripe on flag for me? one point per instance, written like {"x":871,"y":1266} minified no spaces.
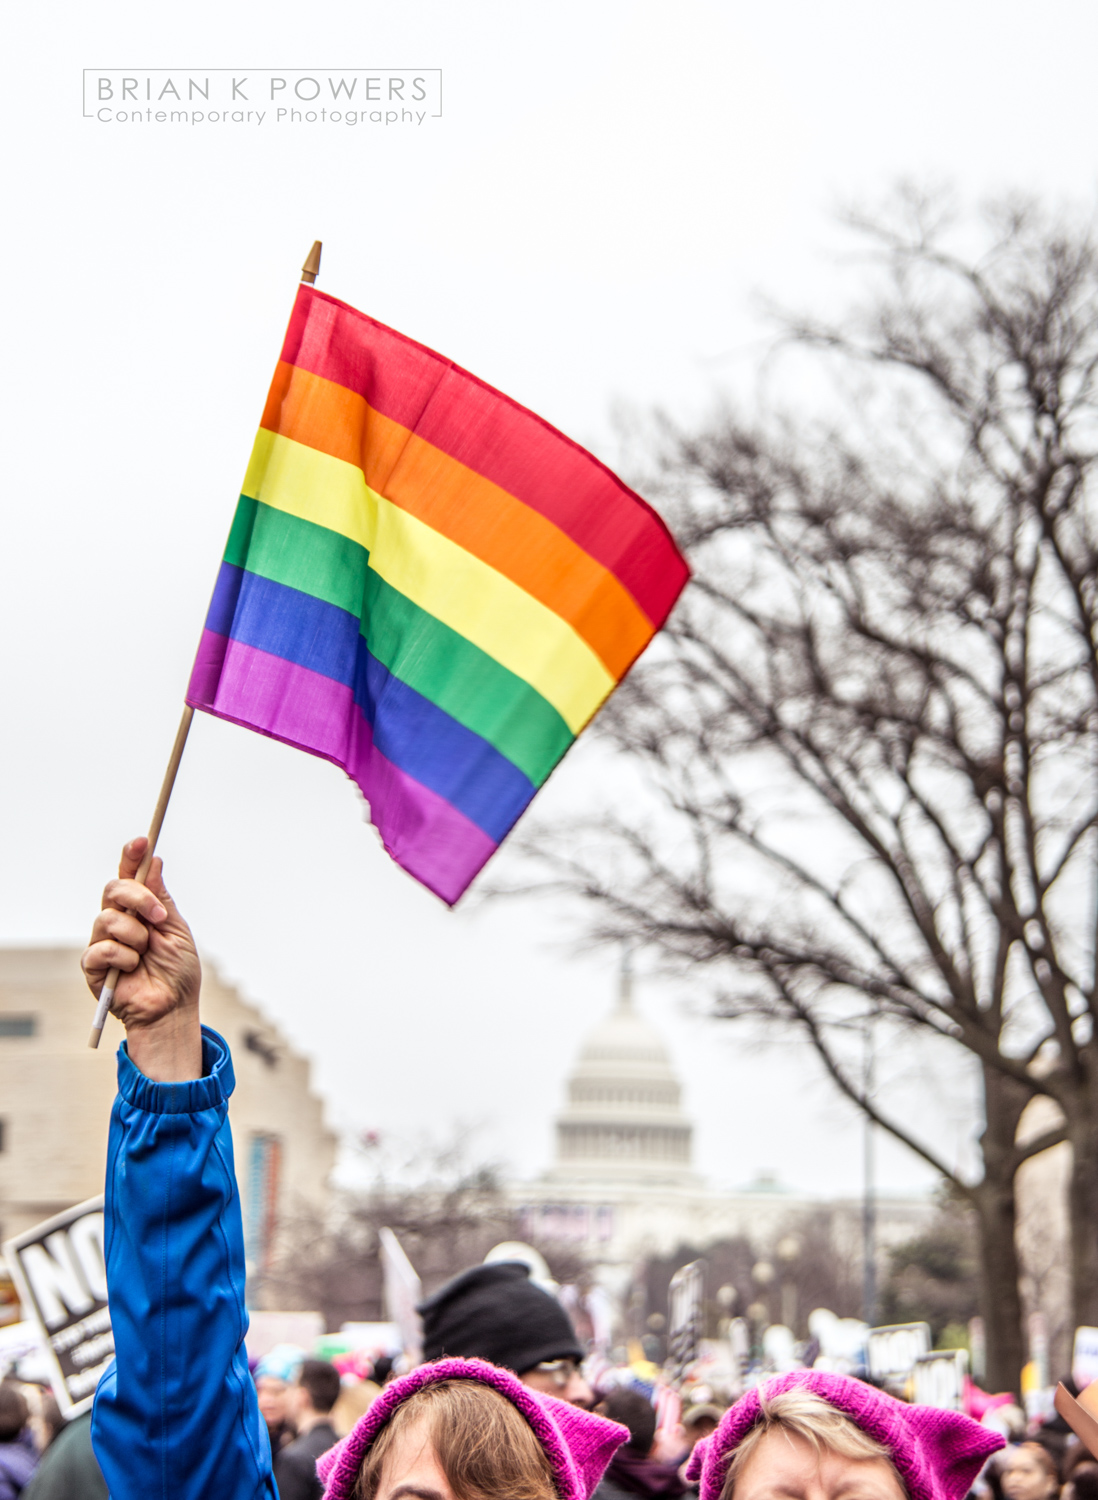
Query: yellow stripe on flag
{"x":441,"y":577}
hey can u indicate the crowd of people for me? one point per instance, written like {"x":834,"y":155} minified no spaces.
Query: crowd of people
{"x":495,"y":1312}
{"x":309,"y":1405}
{"x":502,"y":1406}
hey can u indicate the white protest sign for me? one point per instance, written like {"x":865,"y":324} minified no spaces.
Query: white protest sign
{"x":891,"y":1351}
{"x":841,"y":1340}
{"x":402,"y":1294}
{"x":19,"y":1342}
{"x":780,"y":1348}
{"x":939,"y":1379}
{"x":684,"y":1321}
{"x":1084,"y":1356}
{"x":61,"y":1275}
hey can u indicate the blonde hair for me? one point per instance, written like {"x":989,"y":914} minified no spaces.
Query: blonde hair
{"x":801,"y":1413}
{"x":483,"y":1443}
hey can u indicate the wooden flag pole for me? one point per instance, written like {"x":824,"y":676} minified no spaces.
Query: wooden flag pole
{"x":309,"y":272}
{"x":106,"y":994}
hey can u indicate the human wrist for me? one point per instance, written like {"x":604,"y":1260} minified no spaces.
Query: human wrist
{"x":168,"y":1050}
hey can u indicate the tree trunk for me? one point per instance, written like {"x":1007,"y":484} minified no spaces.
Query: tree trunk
{"x":993,"y":1201}
{"x":1000,"y":1300}
{"x":1082,"y":1130}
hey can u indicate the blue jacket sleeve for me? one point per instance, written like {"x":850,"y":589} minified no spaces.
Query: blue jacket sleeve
{"x":176,"y":1416}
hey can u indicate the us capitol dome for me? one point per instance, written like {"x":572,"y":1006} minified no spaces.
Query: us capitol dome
{"x":623,"y":1121}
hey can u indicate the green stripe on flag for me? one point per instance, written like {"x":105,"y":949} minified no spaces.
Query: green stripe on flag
{"x":427,"y":655}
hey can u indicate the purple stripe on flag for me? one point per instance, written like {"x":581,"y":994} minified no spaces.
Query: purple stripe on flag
{"x":423,"y":832}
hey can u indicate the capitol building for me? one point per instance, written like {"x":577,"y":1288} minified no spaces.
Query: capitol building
{"x":622,"y":1185}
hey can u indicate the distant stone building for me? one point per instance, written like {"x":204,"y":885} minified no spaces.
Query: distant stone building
{"x":56,"y":1095}
{"x":622,"y":1186}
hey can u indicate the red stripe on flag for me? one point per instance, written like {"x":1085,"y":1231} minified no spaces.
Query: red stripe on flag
{"x":496,"y":437}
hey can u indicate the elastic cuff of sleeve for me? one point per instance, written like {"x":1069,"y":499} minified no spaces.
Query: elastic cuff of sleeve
{"x":187,"y":1098}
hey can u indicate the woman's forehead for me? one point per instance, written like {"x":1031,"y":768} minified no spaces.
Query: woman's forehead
{"x":784,"y":1462}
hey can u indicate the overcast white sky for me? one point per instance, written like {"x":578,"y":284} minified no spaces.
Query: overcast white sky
{"x":610,"y":184}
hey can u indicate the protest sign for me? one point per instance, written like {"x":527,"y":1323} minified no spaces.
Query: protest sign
{"x":891,"y":1351}
{"x":684,"y":1306}
{"x":1084,"y":1357}
{"x":61,"y":1276}
{"x":939,"y":1379}
{"x":780,"y":1348}
{"x":20,"y":1345}
{"x":402,"y":1294}
{"x":841,"y":1340}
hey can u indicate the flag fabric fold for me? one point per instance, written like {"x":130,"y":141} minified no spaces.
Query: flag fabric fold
{"x":426,"y":584}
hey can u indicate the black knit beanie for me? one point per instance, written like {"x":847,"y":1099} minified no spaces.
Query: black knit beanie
{"x":496,"y":1313}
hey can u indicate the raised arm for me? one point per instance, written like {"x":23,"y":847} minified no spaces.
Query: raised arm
{"x":176,"y":1417}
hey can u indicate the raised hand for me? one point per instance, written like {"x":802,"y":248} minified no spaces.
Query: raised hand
{"x":141,"y":932}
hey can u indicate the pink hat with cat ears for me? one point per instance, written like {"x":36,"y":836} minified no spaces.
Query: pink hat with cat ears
{"x":578,"y":1444}
{"x":937,"y":1453}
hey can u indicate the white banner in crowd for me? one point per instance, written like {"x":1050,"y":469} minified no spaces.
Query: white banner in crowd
{"x":402,"y":1293}
{"x":59,"y":1270}
{"x":842,"y":1340}
{"x":891,"y":1352}
{"x":939,"y":1379}
{"x":21,"y":1346}
{"x":684,"y":1316}
{"x":1084,"y":1356}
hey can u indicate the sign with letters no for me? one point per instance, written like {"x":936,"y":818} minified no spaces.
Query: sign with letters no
{"x":59,"y":1270}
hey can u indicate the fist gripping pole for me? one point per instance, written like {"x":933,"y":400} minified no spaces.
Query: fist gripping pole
{"x":106,"y":994}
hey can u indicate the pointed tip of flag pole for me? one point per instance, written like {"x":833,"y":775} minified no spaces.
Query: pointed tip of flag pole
{"x":311,"y":268}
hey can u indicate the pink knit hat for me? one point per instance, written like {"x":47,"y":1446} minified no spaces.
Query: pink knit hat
{"x":577,"y":1444}
{"x":937,"y":1453}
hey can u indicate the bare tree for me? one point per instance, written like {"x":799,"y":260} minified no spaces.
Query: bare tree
{"x":446,"y":1209}
{"x":871,"y":727}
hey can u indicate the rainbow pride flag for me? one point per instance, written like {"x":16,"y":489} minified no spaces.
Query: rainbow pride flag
{"x":426,"y":584}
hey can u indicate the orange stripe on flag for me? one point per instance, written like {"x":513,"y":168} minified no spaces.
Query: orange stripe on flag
{"x":464,"y":507}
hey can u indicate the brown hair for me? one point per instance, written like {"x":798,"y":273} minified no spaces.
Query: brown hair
{"x":804,"y":1414}
{"x":320,"y":1380}
{"x":484,"y":1445}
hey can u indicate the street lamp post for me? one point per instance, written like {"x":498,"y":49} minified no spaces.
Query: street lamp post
{"x":789,"y":1250}
{"x":762,"y":1274}
{"x":869,"y":1200}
